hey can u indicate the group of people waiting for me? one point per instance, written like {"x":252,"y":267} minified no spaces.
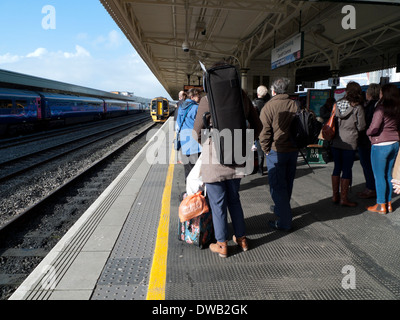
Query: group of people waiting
{"x":378,"y":119}
{"x":371,"y":127}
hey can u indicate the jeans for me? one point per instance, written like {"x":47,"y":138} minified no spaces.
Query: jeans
{"x":222,"y":196}
{"x":344,"y":160}
{"x":260,"y":154}
{"x":382,"y":159}
{"x":281,"y":172}
{"x":365,"y":161}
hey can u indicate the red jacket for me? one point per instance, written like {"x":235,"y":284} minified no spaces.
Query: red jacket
{"x":382,"y":128}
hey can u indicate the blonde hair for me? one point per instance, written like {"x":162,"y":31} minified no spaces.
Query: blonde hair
{"x":262,"y":91}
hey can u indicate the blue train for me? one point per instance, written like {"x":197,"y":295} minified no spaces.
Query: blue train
{"x":22,"y":109}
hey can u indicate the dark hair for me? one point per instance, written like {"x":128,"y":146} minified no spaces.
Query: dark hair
{"x":391,"y":100}
{"x":193,"y":92}
{"x":354,"y":93}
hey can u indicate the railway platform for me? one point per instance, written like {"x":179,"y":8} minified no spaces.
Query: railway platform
{"x":125,"y":246}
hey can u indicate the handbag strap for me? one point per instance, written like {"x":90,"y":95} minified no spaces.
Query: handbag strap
{"x":333,"y":110}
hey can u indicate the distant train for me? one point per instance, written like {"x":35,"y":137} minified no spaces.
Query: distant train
{"x":23,"y":108}
{"x":161,"y":109}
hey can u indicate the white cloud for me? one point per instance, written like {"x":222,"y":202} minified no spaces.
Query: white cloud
{"x":79,"y":52}
{"x":37,"y":53}
{"x":119,"y":73}
{"x":9,"y":58}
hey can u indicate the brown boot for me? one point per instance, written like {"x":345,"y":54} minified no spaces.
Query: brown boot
{"x":389,"y":207}
{"x":241,"y":242}
{"x":221,"y":248}
{"x":344,"y":192}
{"x":335,"y":189}
{"x":379,"y":208}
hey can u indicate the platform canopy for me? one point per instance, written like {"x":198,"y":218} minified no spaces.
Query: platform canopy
{"x":346,"y":37}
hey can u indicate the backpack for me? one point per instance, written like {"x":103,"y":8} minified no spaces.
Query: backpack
{"x":304,"y":129}
{"x":224,"y":93}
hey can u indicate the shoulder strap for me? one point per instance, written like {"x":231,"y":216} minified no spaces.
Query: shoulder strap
{"x":333,"y":110}
{"x":184,"y":117}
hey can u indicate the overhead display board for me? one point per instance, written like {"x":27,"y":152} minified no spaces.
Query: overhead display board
{"x":289,"y":51}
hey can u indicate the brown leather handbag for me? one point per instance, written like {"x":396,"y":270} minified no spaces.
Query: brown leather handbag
{"x":192,"y":206}
{"x":329,"y":128}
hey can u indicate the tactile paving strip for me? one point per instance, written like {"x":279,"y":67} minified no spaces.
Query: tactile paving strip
{"x":74,"y":245}
{"x":127,"y":271}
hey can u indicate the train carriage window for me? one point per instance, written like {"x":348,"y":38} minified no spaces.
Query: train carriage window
{"x":58,"y":107}
{"x":6,"y":106}
{"x":92,"y":106}
{"x":21,"y":105}
{"x":165,"y":106}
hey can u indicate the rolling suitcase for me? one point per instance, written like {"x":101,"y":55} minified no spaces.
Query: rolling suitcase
{"x":224,"y":93}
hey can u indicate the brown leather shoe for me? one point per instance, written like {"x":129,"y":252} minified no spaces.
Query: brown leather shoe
{"x":221,"y":248}
{"x":241,"y":242}
{"x":379,"y":208}
{"x":389,"y":207}
{"x":367,"y":194}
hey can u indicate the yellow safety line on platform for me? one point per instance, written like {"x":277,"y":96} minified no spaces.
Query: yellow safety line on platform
{"x":158,"y":273}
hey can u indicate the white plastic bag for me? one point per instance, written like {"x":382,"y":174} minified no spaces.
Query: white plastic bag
{"x":194,"y":183}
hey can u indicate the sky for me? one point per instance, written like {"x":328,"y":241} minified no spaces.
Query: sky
{"x":73,"y":41}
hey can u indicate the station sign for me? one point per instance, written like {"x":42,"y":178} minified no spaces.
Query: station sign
{"x":289,"y":51}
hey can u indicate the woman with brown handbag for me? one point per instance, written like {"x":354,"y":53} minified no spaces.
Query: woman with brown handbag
{"x":350,"y":120}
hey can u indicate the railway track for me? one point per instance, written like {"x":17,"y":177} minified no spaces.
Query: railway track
{"x":29,"y":179}
{"x":28,"y":237}
{"x":55,"y":133}
{"x":23,"y":163}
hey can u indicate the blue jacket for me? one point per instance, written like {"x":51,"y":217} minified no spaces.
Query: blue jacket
{"x":189,"y":144}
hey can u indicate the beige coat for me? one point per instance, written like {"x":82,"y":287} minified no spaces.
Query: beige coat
{"x":276,"y":117}
{"x":211,"y":169}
